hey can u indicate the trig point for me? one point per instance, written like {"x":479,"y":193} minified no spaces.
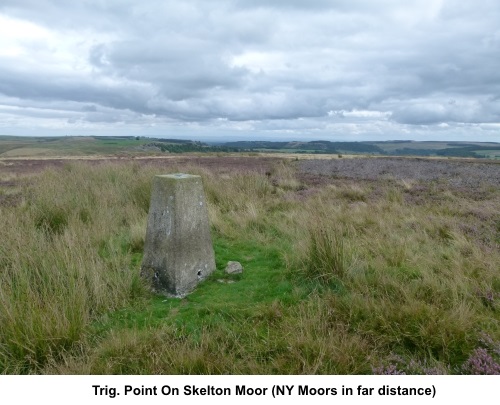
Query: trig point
{"x":178,"y":251}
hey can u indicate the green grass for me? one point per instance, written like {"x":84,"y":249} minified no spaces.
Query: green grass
{"x":262,"y":283}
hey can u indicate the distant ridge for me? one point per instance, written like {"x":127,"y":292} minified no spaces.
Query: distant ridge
{"x":12,"y":146}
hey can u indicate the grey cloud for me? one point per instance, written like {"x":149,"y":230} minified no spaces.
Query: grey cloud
{"x":52,"y":88}
{"x":89,"y":108}
{"x":428,"y":112}
{"x":35,"y":112}
{"x":105,"y":15}
{"x":286,"y":4}
{"x":422,"y":114}
{"x":178,"y":66}
{"x":317,"y":5}
{"x":103,"y":117}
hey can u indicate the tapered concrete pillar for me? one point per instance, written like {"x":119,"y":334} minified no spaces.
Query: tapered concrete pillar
{"x":178,"y":250}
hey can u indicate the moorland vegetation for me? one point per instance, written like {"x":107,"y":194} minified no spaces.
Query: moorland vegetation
{"x":342,"y":275}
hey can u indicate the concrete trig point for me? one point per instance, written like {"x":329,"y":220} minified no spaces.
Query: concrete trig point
{"x":178,"y":251}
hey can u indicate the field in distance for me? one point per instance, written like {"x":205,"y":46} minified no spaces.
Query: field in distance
{"x":13,"y":146}
{"x":68,"y":146}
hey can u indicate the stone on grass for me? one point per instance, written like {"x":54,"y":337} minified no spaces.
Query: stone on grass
{"x":234,"y":268}
{"x":178,"y":251}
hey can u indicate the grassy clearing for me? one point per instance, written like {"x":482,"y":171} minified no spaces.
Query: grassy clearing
{"x":349,"y":278}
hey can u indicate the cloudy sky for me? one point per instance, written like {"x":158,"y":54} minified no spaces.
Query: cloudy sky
{"x":252,"y":69}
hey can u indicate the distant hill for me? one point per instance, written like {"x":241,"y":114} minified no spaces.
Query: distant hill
{"x":307,"y":147}
{"x":390,"y":148}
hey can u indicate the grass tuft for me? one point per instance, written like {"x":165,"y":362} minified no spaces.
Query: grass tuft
{"x":327,"y":257}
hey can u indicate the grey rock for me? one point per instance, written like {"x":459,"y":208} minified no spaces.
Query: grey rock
{"x":234,"y":268}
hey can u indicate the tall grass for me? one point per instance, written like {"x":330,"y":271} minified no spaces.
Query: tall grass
{"x":341,"y":278}
{"x":66,"y":257}
{"x":327,"y":258}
